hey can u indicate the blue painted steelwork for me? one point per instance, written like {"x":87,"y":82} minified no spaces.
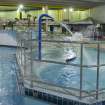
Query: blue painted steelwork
{"x":40,"y":34}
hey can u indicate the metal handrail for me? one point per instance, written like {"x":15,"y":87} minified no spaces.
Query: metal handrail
{"x":62,"y":63}
{"x":95,"y":93}
{"x":74,"y":42}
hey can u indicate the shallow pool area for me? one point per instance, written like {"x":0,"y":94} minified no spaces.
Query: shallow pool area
{"x":69,"y":76}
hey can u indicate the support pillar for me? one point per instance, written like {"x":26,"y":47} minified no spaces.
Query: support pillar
{"x":45,"y":11}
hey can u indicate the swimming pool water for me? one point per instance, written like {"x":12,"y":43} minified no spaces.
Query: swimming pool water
{"x":66,"y":75}
{"x":63,"y":75}
{"x":69,"y":76}
{"x":8,"y":88}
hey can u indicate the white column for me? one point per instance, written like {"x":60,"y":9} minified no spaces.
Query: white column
{"x":45,"y":10}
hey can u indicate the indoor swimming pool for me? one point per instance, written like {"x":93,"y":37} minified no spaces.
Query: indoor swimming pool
{"x":52,"y":52}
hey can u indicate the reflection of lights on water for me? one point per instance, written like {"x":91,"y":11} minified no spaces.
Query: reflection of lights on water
{"x":74,"y":82}
{"x":12,"y":73}
{"x":87,"y":56}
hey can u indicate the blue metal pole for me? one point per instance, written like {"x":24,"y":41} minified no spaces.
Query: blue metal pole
{"x":40,"y":35}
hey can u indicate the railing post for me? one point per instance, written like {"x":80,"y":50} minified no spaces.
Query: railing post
{"x":31,"y":62}
{"x":98,"y":70}
{"x":40,"y":39}
{"x":81,"y":69}
{"x":21,"y":52}
{"x":17,"y":51}
{"x":24,"y":60}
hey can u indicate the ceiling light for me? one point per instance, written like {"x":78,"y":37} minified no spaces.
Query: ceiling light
{"x":21,"y":6}
{"x":43,"y":9}
{"x":71,"y":9}
{"x":64,"y":10}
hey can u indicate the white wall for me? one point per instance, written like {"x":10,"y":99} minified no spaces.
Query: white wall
{"x":98,"y":13}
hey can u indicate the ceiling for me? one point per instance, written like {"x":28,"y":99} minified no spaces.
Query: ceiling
{"x":84,"y":4}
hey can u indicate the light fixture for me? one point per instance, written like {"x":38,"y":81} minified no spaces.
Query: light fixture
{"x":71,"y":9}
{"x":21,"y":6}
{"x":64,"y":10}
{"x":43,"y":9}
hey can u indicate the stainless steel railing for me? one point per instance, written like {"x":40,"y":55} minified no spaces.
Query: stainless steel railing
{"x":26,"y":61}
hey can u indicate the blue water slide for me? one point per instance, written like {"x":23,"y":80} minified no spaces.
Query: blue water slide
{"x":40,"y":34}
